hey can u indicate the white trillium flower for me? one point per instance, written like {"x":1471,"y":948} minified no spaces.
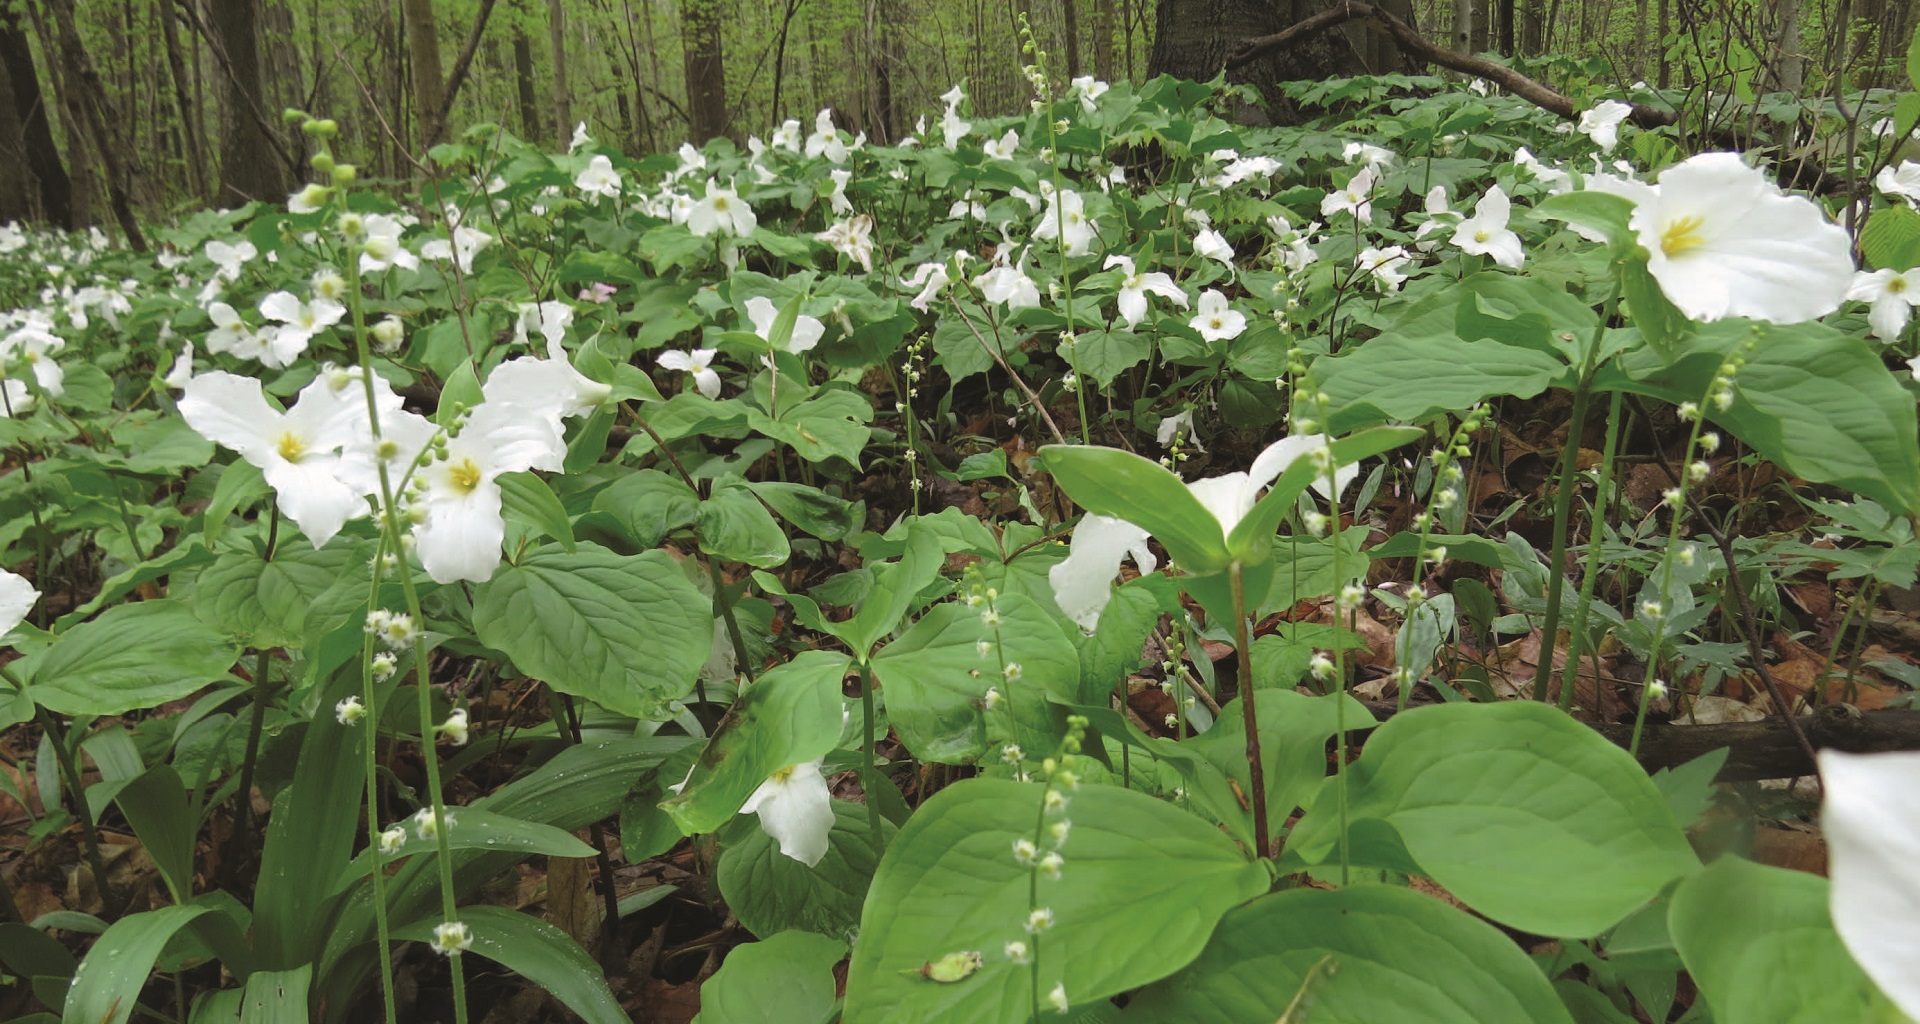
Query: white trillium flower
{"x":1218,"y":321}
{"x":1602,"y":123}
{"x":1723,"y":241}
{"x":1213,"y":245}
{"x":931,"y":279}
{"x":17,"y":597}
{"x":1871,"y":818}
{"x":1134,"y":286}
{"x":1005,"y":147}
{"x":550,"y":318}
{"x":1355,"y":197}
{"x":1554,"y":178}
{"x":1080,"y":582}
{"x":837,"y":199}
{"x":796,"y":809}
{"x":599,"y":178}
{"x":296,"y":450}
{"x":699,"y":362}
{"x":1486,"y":233}
{"x":382,"y":247}
{"x":1903,"y":181}
{"x":852,"y":238}
{"x":461,"y":248}
{"x":580,"y":138}
{"x":1384,"y":265}
{"x":1893,"y":294}
{"x":1370,"y":156}
{"x":1065,"y":218}
{"x":1009,"y":285}
{"x":463,"y":531}
{"x":825,"y":140}
{"x":300,"y":322}
{"x":807,"y":330}
{"x":1089,"y":90}
{"x":722,"y":210}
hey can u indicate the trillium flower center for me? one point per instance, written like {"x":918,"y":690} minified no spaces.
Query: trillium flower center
{"x":1682,"y":235}
{"x":781,"y":775}
{"x":465,"y":475}
{"x":719,"y":202}
{"x":291,"y":447}
{"x":1894,"y":287}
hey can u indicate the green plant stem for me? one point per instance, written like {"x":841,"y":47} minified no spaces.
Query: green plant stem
{"x":391,"y":532}
{"x":1562,"y":511}
{"x":1577,"y":634}
{"x":68,"y":760}
{"x":377,"y":873}
{"x":867,"y":771}
{"x":256,"y":724}
{"x":1256,"y":765}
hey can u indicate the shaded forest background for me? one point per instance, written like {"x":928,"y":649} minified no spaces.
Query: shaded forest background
{"x":122,"y":110}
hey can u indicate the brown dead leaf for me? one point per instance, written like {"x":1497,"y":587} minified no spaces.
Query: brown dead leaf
{"x":662,"y":1003}
{"x":1790,"y":846}
{"x":572,"y":905}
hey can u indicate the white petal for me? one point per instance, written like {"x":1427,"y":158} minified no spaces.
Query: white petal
{"x":16,"y":600}
{"x":1872,"y":822}
{"x":1272,"y":462}
{"x":461,"y":537}
{"x":1228,"y":496}
{"x":796,"y":810}
{"x":1081,"y":581}
{"x":281,"y":306}
{"x":311,"y":493}
{"x":763,"y":313}
{"x":231,"y":411}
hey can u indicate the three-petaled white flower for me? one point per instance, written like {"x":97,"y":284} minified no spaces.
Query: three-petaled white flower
{"x":796,"y":809}
{"x":300,"y":321}
{"x":1134,"y":286}
{"x":698,"y":362}
{"x":1903,"y":181}
{"x":807,"y":330}
{"x":1355,"y":197}
{"x":1893,"y":294}
{"x":1602,"y":123}
{"x":1384,"y":265}
{"x":1218,"y":321}
{"x":1065,"y":218}
{"x":1100,"y":543}
{"x":599,"y":178}
{"x":1003,"y":148}
{"x":297,"y":451}
{"x":381,"y":248}
{"x":1486,"y":232}
{"x":722,"y":210}
{"x":1723,"y":241}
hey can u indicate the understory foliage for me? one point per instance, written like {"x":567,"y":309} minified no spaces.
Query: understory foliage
{"x":770,"y":504}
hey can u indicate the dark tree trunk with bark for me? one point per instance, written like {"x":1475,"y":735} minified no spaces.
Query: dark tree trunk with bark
{"x":530,"y":119}
{"x":249,"y":167}
{"x":36,"y":136}
{"x":1192,"y":39}
{"x":705,"y":67}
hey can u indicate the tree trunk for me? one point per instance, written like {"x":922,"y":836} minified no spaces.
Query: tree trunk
{"x":429,"y":85}
{"x":1193,"y":37}
{"x":1463,"y":26}
{"x":1787,"y":64}
{"x":192,"y":129}
{"x":36,"y":136}
{"x":94,"y":115}
{"x":1070,"y":22}
{"x":1103,"y":40}
{"x":530,"y":120}
{"x":705,"y":68}
{"x":249,"y":166}
{"x":17,"y":186}
{"x":557,"y":41}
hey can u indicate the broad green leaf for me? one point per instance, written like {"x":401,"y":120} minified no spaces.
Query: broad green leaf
{"x":265,"y":602}
{"x":1600,"y":213}
{"x":832,"y":424}
{"x":1410,"y":377}
{"x":1501,"y":804}
{"x":734,"y":527}
{"x":1891,"y":239}
{"x":810,"y":508}
{"x":132,"y":656}
{"x":277,"y":997}
{"x":650,"y":503}
{"x":526,"y":499}
{"x":792,"y":714}
{"x":1365,"y":955}
{"x":109,"y":980}
{"x":473,"y":829}
{"x":782,"y":979}
{"x":957,"y":347}
{"x":1141,"y":889}
{"x":935,"y":679}
{"x":896,"y":587}
{"x":771,"y":892}
{"x":628,"y":632}
{"x":1813,"y":399}
{"x":155,"y":804}
{"x":1111,"y":482}
{"x":538,"y":952}
{"x":1294,"y":729}
{"x":1760,"y":943}
{"x":1104,"y":355}
{"x":1660,"y":322}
